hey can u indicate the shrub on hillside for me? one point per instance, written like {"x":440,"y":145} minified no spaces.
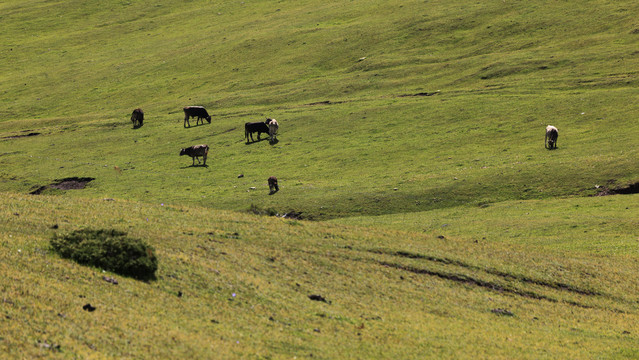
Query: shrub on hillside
{"x":110,"y":250}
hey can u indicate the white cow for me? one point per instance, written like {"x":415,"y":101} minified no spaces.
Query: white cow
{"x":273,"y":126}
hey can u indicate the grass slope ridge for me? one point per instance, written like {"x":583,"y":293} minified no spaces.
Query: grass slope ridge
{"x":236,"y":285}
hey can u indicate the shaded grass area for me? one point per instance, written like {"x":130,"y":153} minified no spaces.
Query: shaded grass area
{"x":241,"y":285}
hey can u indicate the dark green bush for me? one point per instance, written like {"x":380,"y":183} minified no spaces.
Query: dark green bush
{"x":110,"y":250}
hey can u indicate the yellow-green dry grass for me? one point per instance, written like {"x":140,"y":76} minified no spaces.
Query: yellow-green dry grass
{"x":245,"y":282}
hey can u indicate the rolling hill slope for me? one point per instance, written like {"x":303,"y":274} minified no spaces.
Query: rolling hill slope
{"x":411,"y":131}
{"x":234,"y":285}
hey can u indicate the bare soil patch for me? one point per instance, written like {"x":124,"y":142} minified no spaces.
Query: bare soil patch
{"x":70,"y":183}
{"x":630,"y":189}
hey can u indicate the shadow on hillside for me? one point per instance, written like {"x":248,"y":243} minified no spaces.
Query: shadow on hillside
{"x":255,"y":141}
{"x":196,"y":125}
{"x":194,"y":166}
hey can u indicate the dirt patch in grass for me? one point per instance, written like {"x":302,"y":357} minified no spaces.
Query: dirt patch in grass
{"x":70,"y":183}
{"x":630,"y":189}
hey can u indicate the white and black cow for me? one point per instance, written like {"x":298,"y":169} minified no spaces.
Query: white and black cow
{"x":273,"y":127}
{"x":198,"y":112}
{"x":195,"y":152}
{"x":551,"y":137}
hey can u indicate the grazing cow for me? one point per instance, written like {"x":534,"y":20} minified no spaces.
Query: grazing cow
{"x":272,"y":185}
{"x":252,"y":127}
{"x":137,"y":118}
{"x":273,"y":126}
{"x":551,"y":137}
{"x":195,"y":152}
{"x":195,"y":111}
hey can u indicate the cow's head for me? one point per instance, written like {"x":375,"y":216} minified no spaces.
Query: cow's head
{"x":182,"y":152}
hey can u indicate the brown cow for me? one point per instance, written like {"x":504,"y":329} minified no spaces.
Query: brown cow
{"x":272,"y":185}
{"x":195,"y":152}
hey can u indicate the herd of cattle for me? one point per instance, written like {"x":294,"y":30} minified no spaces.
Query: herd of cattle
{"x":270,"y":127}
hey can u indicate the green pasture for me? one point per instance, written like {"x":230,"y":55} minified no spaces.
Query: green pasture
{"x":431,"y":218}
{"x":496,"y":75}
{"x":234,"y":285}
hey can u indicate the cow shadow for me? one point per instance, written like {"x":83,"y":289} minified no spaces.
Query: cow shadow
{"x":275,"y":141}
{"x":254,"y":141}
{"x":194,"y":166}
{"x":196,"y":125}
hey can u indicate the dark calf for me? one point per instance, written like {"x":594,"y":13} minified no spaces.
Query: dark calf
{"x":137,"y":118}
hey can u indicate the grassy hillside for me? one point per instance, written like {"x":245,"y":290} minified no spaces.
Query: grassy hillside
{"x":497,"y":74}
{"x":238,"y":286}
{"x":411,"y":131}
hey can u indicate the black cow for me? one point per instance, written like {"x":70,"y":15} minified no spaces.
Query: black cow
{"x":255,"y":127}
{"x":272,"y":185}
{"x":137,"y":118}
{"x":195,"y":111}
{"x":195,"y":152}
